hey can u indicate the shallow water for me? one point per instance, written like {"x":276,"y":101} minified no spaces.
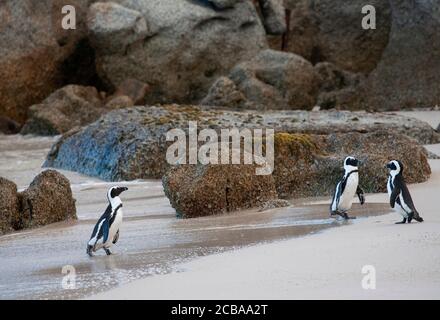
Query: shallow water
{"x":152,"y":241}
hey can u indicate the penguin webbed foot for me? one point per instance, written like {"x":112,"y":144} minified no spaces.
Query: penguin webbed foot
{"x":89,"y":250}
{"x":107,"y":251}
{"x":402,"y":222}
{"x":342,"y":214}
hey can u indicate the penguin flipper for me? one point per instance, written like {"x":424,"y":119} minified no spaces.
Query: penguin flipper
{"x":105,"y":230}
{"x":116,"y":238}
{"x":360,"y":194}
{"x":394,"y":195}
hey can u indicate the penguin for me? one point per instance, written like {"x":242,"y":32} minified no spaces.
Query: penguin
{"x":346,"y":189}
{"x":400,"y":198}
{"x":106,"y":231}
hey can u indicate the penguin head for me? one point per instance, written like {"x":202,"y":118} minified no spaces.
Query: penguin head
{"x":350,"y":163}
{"x":395,"y":167}
{"x":114,"y":192}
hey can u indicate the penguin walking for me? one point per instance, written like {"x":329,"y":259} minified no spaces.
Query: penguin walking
{"x":106,"y":231}
{"x":346,"y":189}
{"x":400,"y":198}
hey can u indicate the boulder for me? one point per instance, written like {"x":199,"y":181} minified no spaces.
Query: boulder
{"x":130,"y":144}
{"x":271,"y":80}
{"x":225,"y":93}
{"x":224,"y":4}
{"x":274,"y":16}
{"x":114,"y":27}
{"x":63,"y":110}
{"x":330,"y":30}
{"x":311,"y":165}
{"x":9,"y":206}
{"x":36,"y":52}
{"x":47,"y":200}
{"x":407,"y":75}
{"x":134,"y":89}
{"x":338,"y":88}
{"x":8,"y":126}
{"x":119,"y":102}
{"x":202,"y":190}
{"x":184,"y":48}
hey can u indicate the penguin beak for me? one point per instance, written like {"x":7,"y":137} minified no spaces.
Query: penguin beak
{"x":124,"y":189}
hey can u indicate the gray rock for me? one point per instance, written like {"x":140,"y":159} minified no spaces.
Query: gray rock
{"x":136,"y":90}
{"x":224,"y":92}
{"x":197,"y":190}
{"x":34,"y":50}
{"x":189,"y":45}
{"x":274,"y":16}
{"x":271,"y":80}
{"x":224,"y":4}
{"x":407,"y":75}
{"x":130,"y":143}
{"x":9,"y":206}
{"x":63,"y":110}
{"x":47,"y":200}
{"x":311,"y":165}
{"x":113,"y":27}
{"x":330,"y":30}
{"x":338,"y":87}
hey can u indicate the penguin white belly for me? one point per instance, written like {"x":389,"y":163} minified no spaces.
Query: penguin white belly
{"x":114,"y":228}
{"x":397,"y":207}
{"x":347,"y":196}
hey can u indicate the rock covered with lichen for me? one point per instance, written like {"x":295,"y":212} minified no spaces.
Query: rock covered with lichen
{"x":48,"y":199}
{"x":202,"y":190}
{"x":9,"y":205}
{"x":131,"y":143}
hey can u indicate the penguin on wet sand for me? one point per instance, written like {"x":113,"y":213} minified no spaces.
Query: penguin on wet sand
{"x":106,"y":231}
{"x":346,"y":189}
{"x":400,"y":198}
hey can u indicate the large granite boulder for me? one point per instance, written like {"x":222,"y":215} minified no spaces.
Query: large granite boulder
{"x":337,"y":87}
{"x":177,"y":47}
{"x":274,"y":16}
{"x":9,"y":206}
{"x":36,"y":52}
{"x":311,"y":165}
{"x":408,"y":72}
{"x":131,"y":143}
{"x":271,"y":80}
{"x":202,"y":190}
{"x":47,"y":200}
{"x":63,"y":110}
{"x":331,"y":30}
{"x":400,"y":57}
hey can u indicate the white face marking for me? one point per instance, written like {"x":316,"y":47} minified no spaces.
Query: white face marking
{"x":115,"y":201}
{"x":347,"y":167}
{"x":397,"y":170}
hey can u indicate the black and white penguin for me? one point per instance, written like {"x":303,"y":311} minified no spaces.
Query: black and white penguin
{"x":106,"y":231}
{"x":400,"y":198}
{"x":346,"y":189}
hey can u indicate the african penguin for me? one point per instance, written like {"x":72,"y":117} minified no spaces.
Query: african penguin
{"x":106,"y":231}
{"x":346,"y":188}
{"x":400,"y":198}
